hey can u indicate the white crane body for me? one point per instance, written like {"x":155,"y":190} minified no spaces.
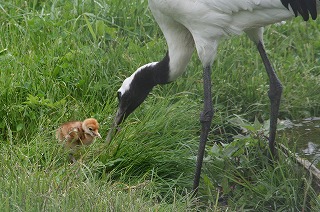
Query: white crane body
{"x":200,"y":25}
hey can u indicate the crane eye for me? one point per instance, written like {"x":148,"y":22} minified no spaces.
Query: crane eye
{"x":119,"y":95}
{"x":90,"y":128}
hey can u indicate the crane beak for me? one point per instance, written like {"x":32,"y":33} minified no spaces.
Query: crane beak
{"x":117,"y":120}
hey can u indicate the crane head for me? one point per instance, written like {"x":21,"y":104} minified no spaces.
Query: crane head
{"x":133,"y":91}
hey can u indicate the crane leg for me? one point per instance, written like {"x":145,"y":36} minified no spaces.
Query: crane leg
{"x":275,"y":91}
{"x":205,"y":119}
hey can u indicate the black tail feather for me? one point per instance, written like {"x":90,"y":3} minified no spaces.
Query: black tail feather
{"x":312,"y":8}
{"x":305,"y":8}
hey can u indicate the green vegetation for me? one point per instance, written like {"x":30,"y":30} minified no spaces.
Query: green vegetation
{"x":65,"y":60}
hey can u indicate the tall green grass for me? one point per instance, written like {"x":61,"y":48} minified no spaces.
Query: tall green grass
{"x":65,"y":60}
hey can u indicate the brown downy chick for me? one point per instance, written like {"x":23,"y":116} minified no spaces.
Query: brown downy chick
{"x":78,"y":133}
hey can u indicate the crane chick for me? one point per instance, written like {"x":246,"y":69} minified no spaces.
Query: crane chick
{"x":77,"y":133}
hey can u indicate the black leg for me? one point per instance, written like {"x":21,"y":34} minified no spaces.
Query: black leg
{"x":275,"y":91}
{"x":205,"y":119}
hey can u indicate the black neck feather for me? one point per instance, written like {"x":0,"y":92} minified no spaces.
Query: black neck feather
{"x":152,"y":75}
{"x":161,"y":71}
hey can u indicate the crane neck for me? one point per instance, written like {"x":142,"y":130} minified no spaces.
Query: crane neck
{"x":161,"y":71}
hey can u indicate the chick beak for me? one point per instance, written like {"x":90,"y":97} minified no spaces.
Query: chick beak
{"x":98,"y":135}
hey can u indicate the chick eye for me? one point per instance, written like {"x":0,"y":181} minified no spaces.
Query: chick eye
{"x":90,"y":128}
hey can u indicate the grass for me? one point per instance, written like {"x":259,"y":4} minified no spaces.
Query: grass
{"x":62,"y":61}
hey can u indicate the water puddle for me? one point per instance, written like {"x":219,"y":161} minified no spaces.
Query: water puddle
{"x":304,"y":138}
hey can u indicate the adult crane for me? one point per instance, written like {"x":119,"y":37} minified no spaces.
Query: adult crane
{"x":200,"y":25}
